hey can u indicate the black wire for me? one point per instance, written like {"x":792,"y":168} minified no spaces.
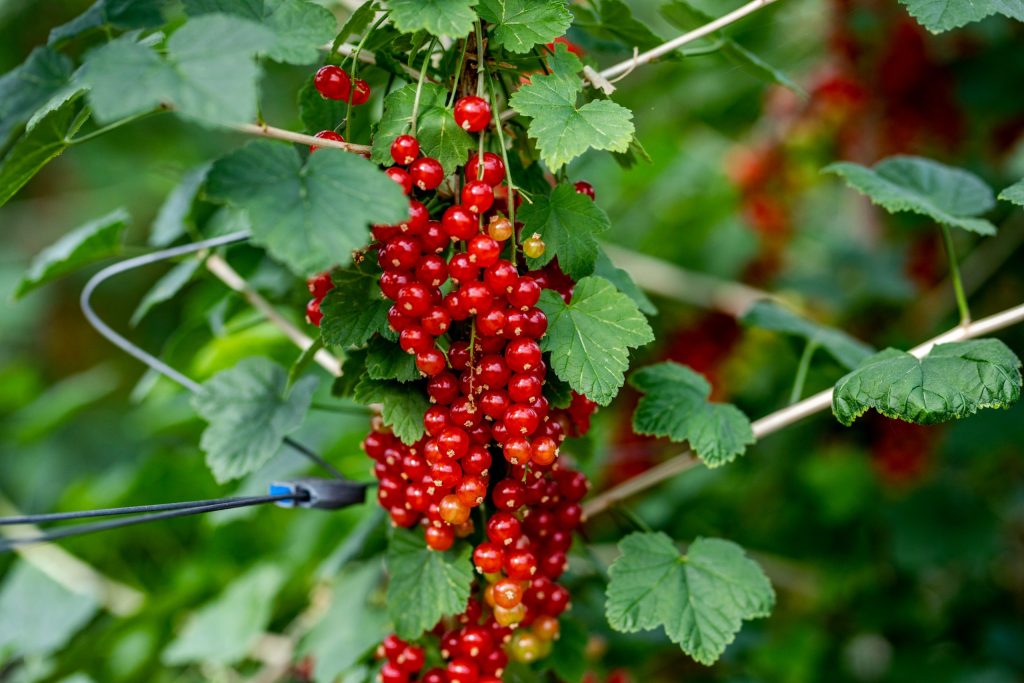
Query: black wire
{"x":109,"y":512}
{"x":77,"y":530}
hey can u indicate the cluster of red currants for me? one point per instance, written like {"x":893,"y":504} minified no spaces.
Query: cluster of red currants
{"x":492,"y":438}
{"x":334,"y":83}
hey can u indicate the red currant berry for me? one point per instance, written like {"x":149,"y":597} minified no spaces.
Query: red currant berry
{"x":523,"y":355}
{"x":414,"y":299}
{"x":501,"y":276}
{"x":418,"y":218}
{"x":477,"y":196}
{"x":472,"y":113}
{"x":508,"y":593}
{"x":453,"y":510}
{"x":484,"y":250}
{"x":461,"y":670}
{"x":411,"y":659}
{"x":464,"y":413}
{"x":536,"y":323}
{"x":477,"y":297}
{"x":553,"y":566}
{"x":445,"y":474}
{"x":460,"y":223}
{"x":391,"y":647}
{"x":360,"y":92}
{"x":524,"y":388}
{"x":403,"y":517}
{"x":494,"y":169}
{"x":436,"y":321}
{"x":494,"y":403}
{"x":405,"y":149}
{"x":427,"y":173}
{"x":332,"y":82}
{"x":488,"y":558}
{"x":435,"y":239}
{"x":436,"y":675}
{"x":509,"y":494}
{"x":476,"y":641}
{"x":434,"y":420}
{"x":319,"y":285}
{"x":525,"y":293}
{"x":414,"y":339}
{"x":520,"y":565}
{"x":491,"y":323}
{"x":544,"y":451}
{"x":503,"y":529}
{"x":453,"y":442}
{"x":477,"y":462}
{"x":439,"y":538}
{"x":391,"y":673}
{"x":492,"y":372}
{"x":458,"y":355}
{"x":463,"y":268}
{"x":584,"y":188}
{"x":517,"y":450}
{"x":432,"y":270}
{"x":326,"y":135}
{"x":520,"y":419}
{"x":313,"y":313}
{"x":471,"y":491}
{"x":430,"y":362}
{"x":443,"y":389}
{"x":401,"y":253}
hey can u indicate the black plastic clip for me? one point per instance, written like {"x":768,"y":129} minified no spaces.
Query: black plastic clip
{"x":323,"y":494}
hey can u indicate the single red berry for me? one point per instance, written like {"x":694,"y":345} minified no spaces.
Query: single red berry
{"x":525,"y":293}
{"x":494,"y":403}
{"x":427,"y":173}
{"x":471,"y":490}
{"x":313,"y":313}
{"x":414,"y":299}
{"x":522,"y":355}
{"x":446,"y":474}
{"x":392,"y":673}
{"x":360,"y":92}
{"x":520,"y":419}
{"x":458,"y":355}
{"x":460,"y":223}
{"x":419,"y":216}
{"x":464,"y":413}
{"x":332,"y":82}
{"x":462,"y":670}
{"x":472,"y":113}
{"x":391,"y":282}
{"x":439,"y":538}
{"x":524,"y":388}
{"x":453,"y":510}
{"x":326,"y":135}
{"x":477,"y":196}
{"x":477,"y":297}
{"x":414,"y":339}
{"x":476,"y":641}
{"x":584,"y":188}
{"x":509,"y":494}
{"x":397,"y":321}
{"x":430,"y":362}
{"x":484,"y":251}
{"x":432,"y":270}
{"x":400,"y":176}
{"x":492,"y":372}
{"x":443,"y":389}
{"x":544,"y":451}
{"x":436,"y":675}
{"x":436,"y":321}
{"x":501,"y":276}
{"x":520,"y":565}
{"x":405,"y":149}
{"x":503,"y":529}
{"x":508,"y":593}
{"x":411,"y":659}
{"x":435,"y":239}
{"x":517,"y":450}
{"x":434,"y":420}
{"x":488,"y":558}
{"x":494,"y":168}
{"x":477,"y":461}
{"x":319,"y":285}
{"x":491,"y":323}
{"x":463,"y":268}
{"x":453,"y":442}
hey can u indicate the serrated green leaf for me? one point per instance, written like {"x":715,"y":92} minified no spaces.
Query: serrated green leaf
{"x":300,"y":27}
{"x":685,"y":16}
{"x":952,"y":382}
{"x":96,"y":240}
{"x":112,"y":14}
{"x":1014,"y":193}
{"x":623,"y":282}
{"x":308,"y":215}
{"x":40,"y":615}
{"x":569,"y":224}
{"x":841,"y":346}
{"x":316,"y":111}
{"x":354,"y":310}
{"x":358,"y":21}
{"x":439,"y":136}
{"x":452,"y":18}
{"x":170,"y":222}
{"x":701,"y":599}
{"x":589,"y":339}
{"x":352,"y":370}
{"x":166,"y":288}
{"x":562,"y":129}
{"x":44,"y":139}
{"x":350,"y":628}
{"x":518,"y":25}
{"x":424,"y":585}
{"x":387,"y":360}
{"x":675,"y":404}
{"x":945,"y":194}
{"x":248,"y":415}
{"x":225,"y":630}
{"x":208,"y":74}
{"x":29,"y":86}
{"x":618,"y":22}
{"x":942,"y":15}
{"x":404,"y":405}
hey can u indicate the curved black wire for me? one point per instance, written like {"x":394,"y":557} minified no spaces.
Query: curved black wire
{"x":131,"y":510}
{"x":152,"y":361}
{"x":80,"y":529}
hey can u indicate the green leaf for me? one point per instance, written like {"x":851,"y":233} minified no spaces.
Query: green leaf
{"x":562,"y":129}
{"x":616,"y":21}
{"x":111,"y":14}
{"x":404,"y":405}
{"x":44,"y":139}
{"x":569,"y":659}
{"x":952,"y":382}
{"x":772,"y":316}
{"x":439,"y":136}
{"x":623,"y":282}
{"x":424,"y":585}
{"x":354,"y":310}
{"x":1014,"y":193}
{"x":675,"y":404}
{"x":170,"y":222}
{"x":358,"y":22}
{"x":452,"y":18}
{"x":942,"y":15}
{"x":40,"y":615}
{"x":248,"y":415}
{"x":685,"y":16}
{"x":350,"y":628}
{"x":300,"y":27}
{"x":166,"y":288}
{"x":589,"y":339}
{"x":701,"y":599}
{"x":518,"y":25}
{"x":316,"y":111}
{"x":29,"y":86}
{"x":569,"y":224}
{"x":945,"y":194}
{"x":208,"y":74}
{"x":225,"y":630}
{"x":352,"y":371}
{"x":302,"y":363}
{"x":387,"y":360}
{"x":308,"y":215}
{"x":94,"y":241}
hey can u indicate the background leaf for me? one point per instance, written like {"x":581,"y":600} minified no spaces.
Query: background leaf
{"x":249,"y":415}
{"x":946,"y":195}
{"x":40,"y":615}
{"x":452,"y":18}
{"x":29,"y":86}
{"x":111,"y":14}
{"x":953,"y":381}
{"x":1014,"y":193}
{"x":770,"y":315}
{"x":439,"y":136}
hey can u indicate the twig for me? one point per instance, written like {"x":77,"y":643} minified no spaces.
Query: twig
{"x":698,"y":289}
{"x":676,"y":43}
{"x":266,"y":131}
{"x":789,"y":415}
{"x":71,"y":572}
{"x":229,"y":276}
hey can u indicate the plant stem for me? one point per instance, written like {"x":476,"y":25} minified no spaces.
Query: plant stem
{"x":419,"y":87}
{"x":113,"y":126}
{"x":504,"y":158}
{"x":954,"y":275}
{"x":633,"y":518}
{"x":300,"y":138}
{"x":801,"y":371}
{"x":458,"y":75}
{"x":355,"y":62}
